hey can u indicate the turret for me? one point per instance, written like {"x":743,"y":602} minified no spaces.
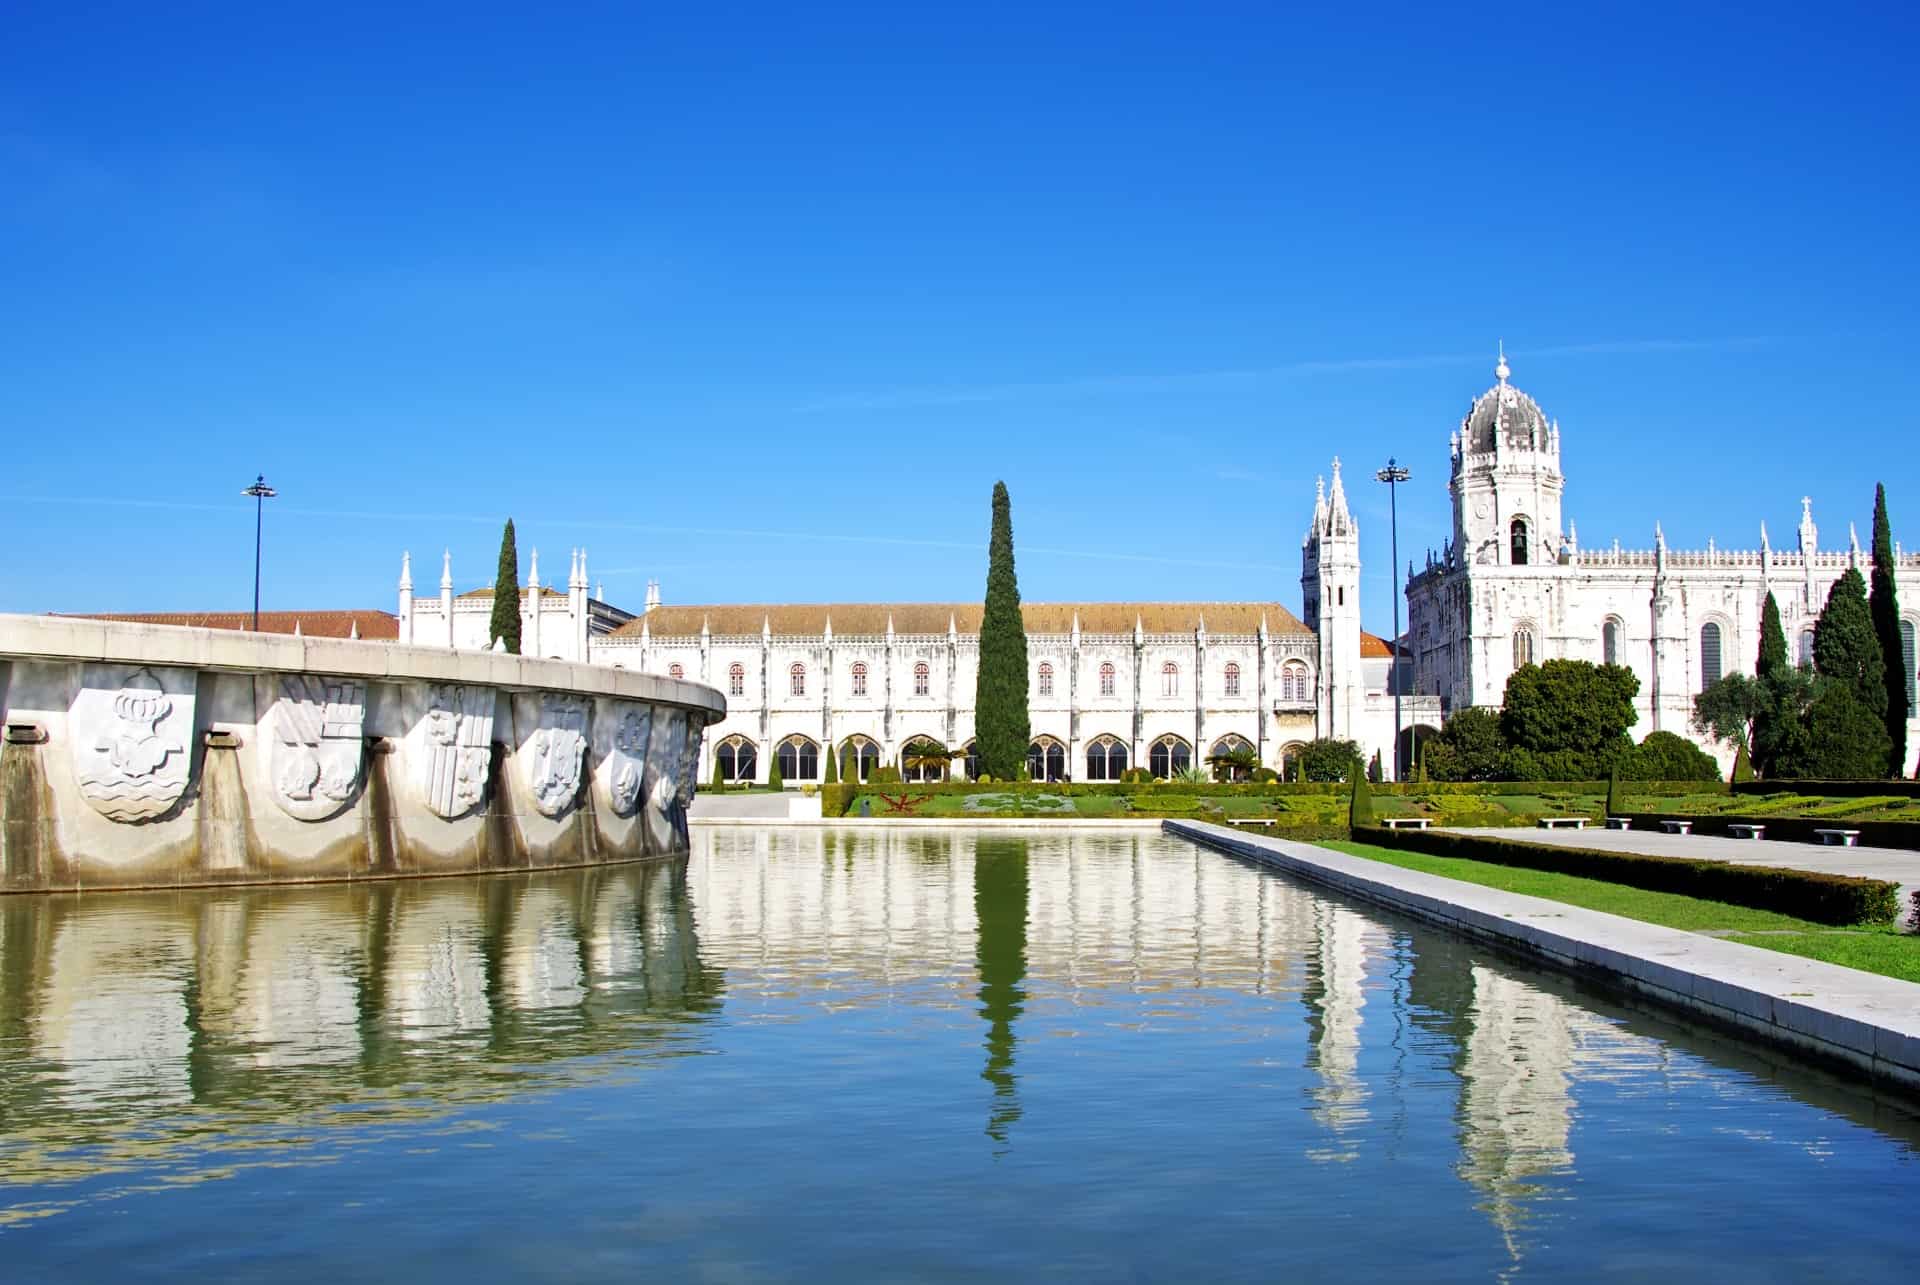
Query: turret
{"x":406,"y":598}
{"x":1330,"y":592}
{"x":1506,"y":482}
{"x":446,"y":592}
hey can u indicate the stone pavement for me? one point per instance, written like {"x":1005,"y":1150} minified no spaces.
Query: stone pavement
{"x":1897,"y":865}
{"x":1867,"y":1021}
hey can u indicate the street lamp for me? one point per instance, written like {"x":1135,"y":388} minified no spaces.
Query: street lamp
{"x":261,"y":493}
{"x":1393,"y":475}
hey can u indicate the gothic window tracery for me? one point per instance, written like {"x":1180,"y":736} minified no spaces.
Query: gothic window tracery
{"x":797,"y":680}
{"x":676,"y":671}
{"x":1169,"y":679}
{"x":737,"y":759}
{"x":1709,"y":654}
{"x":799,"y":758}
{"x":1046,"y":679}
{"x":920,"y":678}
{"x":1106,"y":679}
{"x":859,"y":678}
{"x":1293,"y":683}
{"x":1168,"y":757}
{"x":1230,"y":680}
{"x":1610,"y":642}
{"x":1522,"y":646}
{"x":1106,"y":759}
{"x":1046,"y":759}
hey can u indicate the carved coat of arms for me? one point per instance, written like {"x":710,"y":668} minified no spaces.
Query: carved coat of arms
{"x":626,"y":764}
{"x":130,"y":745}
{"x":313,"y":747}
{"x":458,"y":747}
{"x":664,"y":751}
{"x":555,"y":753}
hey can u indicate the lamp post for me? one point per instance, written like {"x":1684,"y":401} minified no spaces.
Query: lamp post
{"x":261,"y":493}
{"x":1393,"y":475}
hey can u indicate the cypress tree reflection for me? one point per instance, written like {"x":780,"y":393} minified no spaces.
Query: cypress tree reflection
{"x":1000,"y":908}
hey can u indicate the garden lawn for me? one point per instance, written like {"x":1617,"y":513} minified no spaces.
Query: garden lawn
{"x":1869,"y":947}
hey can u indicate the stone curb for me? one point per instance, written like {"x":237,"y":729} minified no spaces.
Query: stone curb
{"x":1869,"y":1024}
{"x":931,"y":823}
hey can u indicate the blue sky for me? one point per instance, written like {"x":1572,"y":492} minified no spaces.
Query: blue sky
{"x":760,"y":300}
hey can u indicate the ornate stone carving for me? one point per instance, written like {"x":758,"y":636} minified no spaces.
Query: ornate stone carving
{"x":626,"y":765}
{"x":459,"y":742}
{"x":130,"y":752}
{"x":555,"y":753}
{"x":665,"y":747}
{"x":313,"y":753}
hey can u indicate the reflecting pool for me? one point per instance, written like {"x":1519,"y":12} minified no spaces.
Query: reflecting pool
{"x":886,"y":1053}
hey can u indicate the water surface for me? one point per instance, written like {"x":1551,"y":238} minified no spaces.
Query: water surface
{"x":885,"y":1054}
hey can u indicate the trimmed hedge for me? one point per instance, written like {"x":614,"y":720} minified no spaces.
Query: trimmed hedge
{"x":1874,"y":834}
{"x":1894,"y":787}
{"x":1805,"y":894}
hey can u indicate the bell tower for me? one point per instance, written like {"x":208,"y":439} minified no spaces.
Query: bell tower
{"x":1330,"y":595}
{"x":1506,"y":481}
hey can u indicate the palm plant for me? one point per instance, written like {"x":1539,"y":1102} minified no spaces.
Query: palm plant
{"x":925,"y":756}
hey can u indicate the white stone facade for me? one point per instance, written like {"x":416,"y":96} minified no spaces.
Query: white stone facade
{"x":1514,"y":585}
{"x":553,"y":625}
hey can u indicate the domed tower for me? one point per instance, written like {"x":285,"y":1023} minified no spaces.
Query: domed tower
{"x":1506,"y":482}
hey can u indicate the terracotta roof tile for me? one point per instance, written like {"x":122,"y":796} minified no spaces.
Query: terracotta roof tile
{"x":1374,"y":646}
{"x":373,"y":625}
{"x":868,"y":619}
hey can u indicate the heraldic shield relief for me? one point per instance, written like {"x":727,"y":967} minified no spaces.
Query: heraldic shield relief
{"x":130,"y":743}
{"x":626,"y":766}
{"x":556,"y":752}
{"x":314,"y":751}
{"x":458,"y":743}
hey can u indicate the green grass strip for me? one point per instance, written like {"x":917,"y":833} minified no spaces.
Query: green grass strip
{"x":1867,"y":947}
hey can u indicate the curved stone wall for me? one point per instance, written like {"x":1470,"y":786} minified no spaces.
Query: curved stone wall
{"x":151,"y":755}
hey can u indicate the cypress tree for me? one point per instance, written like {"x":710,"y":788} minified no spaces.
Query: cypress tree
{"x":506,"y":595}
{"x":1742,"y":766}
{"x":1884,"y":606}
{"x":833,"y":766}
{"x":774,"y":778}
{"x":1001,"y":726}
{"x":1845,"y":649}
{"x":1773,"y":639}
{"x":719,"y":777}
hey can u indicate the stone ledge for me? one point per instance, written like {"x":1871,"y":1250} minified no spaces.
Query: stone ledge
{"x":133,"y":643}
{"x":1869,"y":1023}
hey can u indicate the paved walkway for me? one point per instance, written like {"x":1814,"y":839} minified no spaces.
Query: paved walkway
{"x":1898,"y":865}
{"x":1869,"y":1021}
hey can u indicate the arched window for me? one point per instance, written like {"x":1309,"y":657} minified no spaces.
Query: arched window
{"x":1047,"y":760}
{"x":1294,"y":685}
{"x":1046,"y":679}
{"x":859,"y":678}
{"x":1106,"y":759}
{"x":1230,"y":681}
{"x":1518,"y":533}
{"x":858,"y":758}
{"x":1610,"y":642}
{"x":1522,"y":646}
{"x":736,"y":680}
{"x":1232,"y":758}
{"x":973,"y":762}
{"x":921,"y":675}
{"x":1709,"y":654}
{"x":1169,"y":679}
{"x":1290,"y":760}
{"x":1806,"y":648}
{"x":1906,"y":660}
{"x":1106,"y":679}
{"x":1168,"y":757}
{"x":799,"y":758}
{"x":920,"y":761}
{"x":676,"y":671}
{"x":797,"y":680}
{"x":737,"y":759}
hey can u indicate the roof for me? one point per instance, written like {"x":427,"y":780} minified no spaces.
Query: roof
{"x":871,"y":618}
{"x":1372,"y":646}
{"x":381,"y":625}
{"x":546,"y":591}
{"x":1505,"y":411}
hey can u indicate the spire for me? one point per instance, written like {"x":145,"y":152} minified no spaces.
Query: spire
{"x":1262,"y":631}
{"x":766,"y":627}
{"x":1765,"y":545}
{"x":1853,"y":541}
{"x":446,"y":571}
{"x":353,"y":628}
{"x":1139,"y":631}
{"x":827,"y":633}
{"x":1337,"y":500}
{"x":889,"y":624}
{"x":1319,"y":502}
{"x":953,"y":627}
{"x":533,"y":572}
{"x":1809,"y":533}
{"x":583,"y":567}
{"x":600,"y":591}
{"x":296,"y":626}
{"x":1502,"y":370}
{"x":406,"y":573}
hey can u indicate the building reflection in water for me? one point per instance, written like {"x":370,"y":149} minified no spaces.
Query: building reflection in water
{"x":134,"y":1025}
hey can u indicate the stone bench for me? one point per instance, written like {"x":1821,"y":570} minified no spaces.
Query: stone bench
{"x":1843,"y":838}
{"x":1677,"y":827}
{"x":1560,"y":823}
{"x":1746,"y":830}
{"x":1619,"y":823}
{"x":1403,"y":823}
{"x":1250,"y":820}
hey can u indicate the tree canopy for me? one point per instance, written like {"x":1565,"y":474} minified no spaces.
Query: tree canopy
{"x":1328,"y":760}
{"x":1568,"y":719}
{"x":1845,"y":649}
{"x":1470,"y":747}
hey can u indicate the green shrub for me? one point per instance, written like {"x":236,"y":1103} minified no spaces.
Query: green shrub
{"x":1360,"y":805}
{"x":1264,"y":776}
{"x":1328,"y":760}
{"x":1805,"y":894}
{"x":774,"y":778}
{"x":719,"y":777}
{"x":1136,"y":776}
{"x":1664,"y":756}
